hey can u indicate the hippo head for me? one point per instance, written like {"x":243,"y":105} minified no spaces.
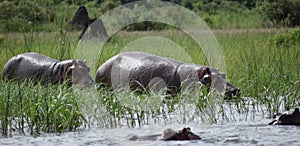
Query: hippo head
{"x":220,"y":83}
{"x":79,"y":73}
{"x":184,"y":134}
{"x":287,"y":118}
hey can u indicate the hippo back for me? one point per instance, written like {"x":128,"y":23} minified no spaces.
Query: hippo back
{"x":137,"y":68}
{"x":25,"y":65}
{"x":45,"y":69}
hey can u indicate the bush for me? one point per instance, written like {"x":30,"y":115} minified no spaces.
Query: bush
{"x":7,"y":10}
{"x":21,"y":15}
{"x":1,"y":40}
{"x":281,"y":12}
{"x":32,"y":12}
{"x":289,"y":39}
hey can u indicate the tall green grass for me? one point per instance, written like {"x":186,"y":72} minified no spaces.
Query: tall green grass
{"x":266,"y":73}
{"x":38,"y":108}
{"x":263,"y":70}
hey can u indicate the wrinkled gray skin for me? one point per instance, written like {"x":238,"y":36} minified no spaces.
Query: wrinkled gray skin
{"x":47,"y":70}
{"x":150,"y":71}
{"x":81,"y":18}
{"x":287,"y":118}
{"x":168,"y":135}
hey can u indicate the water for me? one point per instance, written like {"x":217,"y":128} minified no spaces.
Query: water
{"x":243,"y":130}
{"x":240,"y":133}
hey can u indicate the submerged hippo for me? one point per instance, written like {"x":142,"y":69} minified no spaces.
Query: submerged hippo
{"x":47,"y":70}
{"x":143,"y":69}
{"x":81,"y":18}
{"x":169,"y":134}
{"x":287,"y":118}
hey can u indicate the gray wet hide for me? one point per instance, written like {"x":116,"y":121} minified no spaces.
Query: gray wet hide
{"x":287,"y":118}
{"x":143,"y":70}
{"x":40,"y":68}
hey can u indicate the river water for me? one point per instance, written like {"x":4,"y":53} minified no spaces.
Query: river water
{"x":241,"y":131}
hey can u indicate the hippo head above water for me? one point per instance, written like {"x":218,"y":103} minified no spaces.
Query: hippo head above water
{"x":168,"y":135}
{"x":184,"y":134}
{"x":287,"y":118}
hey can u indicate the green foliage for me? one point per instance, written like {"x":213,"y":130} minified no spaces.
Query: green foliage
{"x":267,"y":74}
{"x":50,"y":109}
{"x":50,"y":15}
{"x":1,"y":40}
{"x":21,"y":15}
{"x":108,"y":5}
{"x":288,"y":39}
{"x":281,"y":12}
{"x":7,"y":10}
{"x":146,"y":26}
{"x":31,"y":11}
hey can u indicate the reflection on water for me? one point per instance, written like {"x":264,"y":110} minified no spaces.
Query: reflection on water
{"x":241,"y":130}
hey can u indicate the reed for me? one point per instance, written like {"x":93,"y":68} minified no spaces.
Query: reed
{"x":267,"y":74}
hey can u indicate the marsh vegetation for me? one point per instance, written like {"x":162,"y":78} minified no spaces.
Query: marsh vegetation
{"x":261,"y":62}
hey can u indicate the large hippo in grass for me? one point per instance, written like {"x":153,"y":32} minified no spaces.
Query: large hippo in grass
{"x":81,"y":18}
{"x":169,"y":134}
{"x":287,"y":118}
{"x":39,"y":67}
{"x":141,"y":69}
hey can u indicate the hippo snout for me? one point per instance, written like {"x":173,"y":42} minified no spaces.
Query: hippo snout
{"x":232,"y":92}
{"x":89,"y":83}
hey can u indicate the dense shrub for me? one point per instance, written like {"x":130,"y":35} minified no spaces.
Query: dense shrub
{"x":31,"y":11}
{"x":16,"y":16}
{"x":1,"y":40}
{"x":106,"y":6}
{"x":289,"y":39}
{"x":145,"y":26}
{"x":281,"y":12}
{"x":7,"y":10}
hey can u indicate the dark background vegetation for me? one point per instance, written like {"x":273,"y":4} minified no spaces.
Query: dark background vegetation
{"x":50,"y":15}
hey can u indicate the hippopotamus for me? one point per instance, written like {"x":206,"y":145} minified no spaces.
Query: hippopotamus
{"x":39,"y":67}
{"x":81,"y":18}
{"x":139,"y":69}
{"x":168,"y":135}
{"x":287,"y":118}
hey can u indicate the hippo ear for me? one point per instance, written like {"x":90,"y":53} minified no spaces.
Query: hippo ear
{"x":185,"y":130}
{"x":203,"y":71}
{"x":70,"y":66}
{"x":74,"y":64}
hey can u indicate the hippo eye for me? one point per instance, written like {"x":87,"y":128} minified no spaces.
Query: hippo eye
{"x":206,"y":77}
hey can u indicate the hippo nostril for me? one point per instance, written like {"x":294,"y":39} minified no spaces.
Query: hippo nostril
{"x":236,"y":91}
{"x":232,"y":92}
